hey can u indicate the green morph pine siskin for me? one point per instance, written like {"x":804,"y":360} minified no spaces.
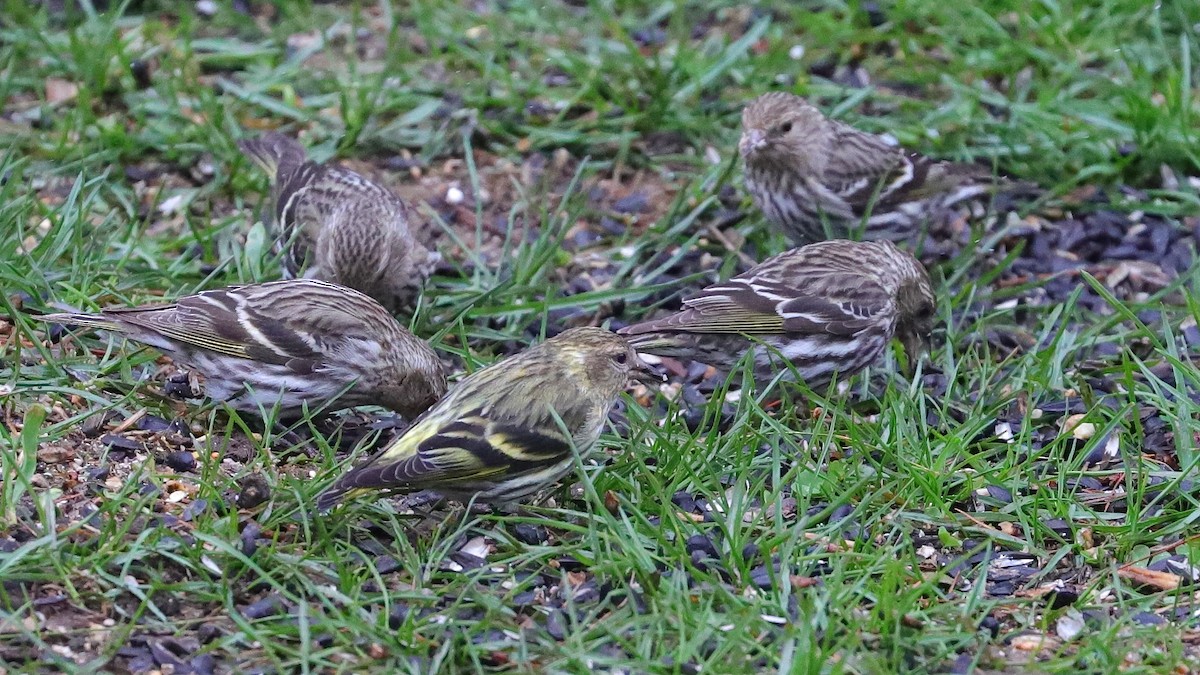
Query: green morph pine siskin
{"x":508,"y":430}
{"x":293,"y":343}
{"x":803,"y":169}
{"x":829,"y":308}
{"x":333,"y":224}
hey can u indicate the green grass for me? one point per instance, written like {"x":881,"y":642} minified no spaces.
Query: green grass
{"x":853,"y":533}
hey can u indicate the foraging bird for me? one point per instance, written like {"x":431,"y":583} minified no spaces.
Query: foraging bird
{"x":508,"y":430}
{"x":829,"y":308}
{"x":291,"y":343}
{"x":803,"y":169}
{"x":333,"y":224}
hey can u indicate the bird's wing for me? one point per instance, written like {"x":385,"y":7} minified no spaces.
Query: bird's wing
{"x":294,"y":323}
{"x":864,"y":168}
{"x":301,"y":211}
{"x":315,"y":319}
{"x":727,"y":308}
{"x":436,"y":453}
{"x":314,"y":192}
{"x":769,"y":300}
{"x":812,"y":314}
{"x":867,"y":171}
{"x":216,"y":330}
{"x":917,"y":177}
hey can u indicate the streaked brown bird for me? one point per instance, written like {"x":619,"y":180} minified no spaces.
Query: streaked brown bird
{"x":508,"y":430}
{"x":334,"y":224}
{"x":826,"y":309}
{"x":288,"y":343}
{"x":806,"y":172}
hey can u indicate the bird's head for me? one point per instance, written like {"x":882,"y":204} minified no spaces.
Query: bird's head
{"x":781,"y":128}
{"x":601,"y":358}
{"x":916,"y":309}
{"x":422,"y":382}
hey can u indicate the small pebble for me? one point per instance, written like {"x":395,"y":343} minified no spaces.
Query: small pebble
{"x":180,"y":388}
{"x":524,"y":599}
{"x":141,"y":72}
{"x":1000,"y":494}
{"x":636,"y":202}
{"x":750,"y":552}
{"x":203,"y":664}
{"x":263,"y":608}
{"x":528,"y":534}
{"x":116,"y":442}
{"x":249,"y":538}
{"x":1063,"y":597}
{"x":1059,"y":526}
{"x":1069,"y":625}
{"x":699,"y":543}
{"x":207,"y":632}
{"x":556,"y":624}
{"x":760,"y":577}
{"x":153,"y":423}
{"x":255,"y":491}
{"x":181,"y":460}
{"x":1148,"y":619}
{"x":398,"y":615}
{"x":193,"y":509}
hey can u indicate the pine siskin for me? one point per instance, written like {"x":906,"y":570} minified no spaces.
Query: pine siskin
{"x":802,"y":167}
{"x":830,"y":308}
{"x":334,"y":224}
{"x":294,"y":342}
{"x":499,"y":435}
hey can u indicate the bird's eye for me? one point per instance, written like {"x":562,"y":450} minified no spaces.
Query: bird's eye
{"x":786,"y":127}
{"x":621,"y":358}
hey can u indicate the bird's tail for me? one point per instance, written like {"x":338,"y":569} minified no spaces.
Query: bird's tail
{"x":96,"y":321}
{"x":333,"y":496}
{"x":1019,"y":195}
{"x":1019,"y":188}
{"x":275,"y":153}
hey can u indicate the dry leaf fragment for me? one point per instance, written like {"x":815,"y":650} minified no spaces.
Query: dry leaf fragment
{"x":1164,"y":581}
{"x":60,"y":91}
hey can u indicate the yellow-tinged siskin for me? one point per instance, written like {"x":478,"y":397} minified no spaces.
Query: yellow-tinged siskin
{"x":510,"y":429}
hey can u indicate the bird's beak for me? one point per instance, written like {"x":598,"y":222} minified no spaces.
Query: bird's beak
{"x":751,"y":141}
{"x":642,"y":372}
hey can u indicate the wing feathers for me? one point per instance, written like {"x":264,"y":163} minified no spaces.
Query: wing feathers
{"x":813,"y":290}
{"x":467,"y":449}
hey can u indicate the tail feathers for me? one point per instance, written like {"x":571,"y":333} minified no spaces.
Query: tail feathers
{"x":332,"y":496}
{"x":349,"y":485}
{"x":275,"y":153}
{"x":999,"y":183}
{"x":1020,"y":188}
{"x":1018,"y":195}
{"x":96,"y":321}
